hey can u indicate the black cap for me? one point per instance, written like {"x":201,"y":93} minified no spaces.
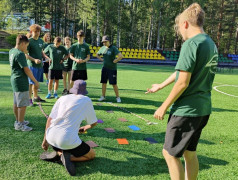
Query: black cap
{"x":105,"y":38}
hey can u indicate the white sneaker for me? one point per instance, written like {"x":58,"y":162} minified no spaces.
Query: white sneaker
{"x":22,"y":127}
{"x":118,"y":100}
{"x":24,"y":123}
{"x":102,"y":98}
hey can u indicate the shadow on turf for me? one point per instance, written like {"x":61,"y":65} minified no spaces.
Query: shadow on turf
{"x":223,"y":110}
{"x":133,"y":166}
{"x":207,"y":162}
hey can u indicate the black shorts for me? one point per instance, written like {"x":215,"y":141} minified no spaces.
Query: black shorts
{"x":79,"y":74}
{"x":67,"y":69}
{"x":183,"y":133}
{"x":55,"y":74}
{"x":79,"y":151}
{"x":46,"y":67}
{"x":109,"y":74}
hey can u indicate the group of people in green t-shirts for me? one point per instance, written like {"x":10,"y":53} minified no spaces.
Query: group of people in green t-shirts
{"x":189,"y":99}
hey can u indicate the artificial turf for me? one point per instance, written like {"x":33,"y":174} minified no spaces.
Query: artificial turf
{"x":217,"y":151}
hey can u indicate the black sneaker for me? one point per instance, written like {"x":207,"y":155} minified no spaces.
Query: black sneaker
{"x":68,"y":164}
{"x":64,"y":91}
{"x":38,"y":99}
{"x":50,"y":156}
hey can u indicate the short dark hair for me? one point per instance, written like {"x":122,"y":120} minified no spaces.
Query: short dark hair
{"x":21,"y":38}
{"x":81,"y":33}
{"x":57,"y":39}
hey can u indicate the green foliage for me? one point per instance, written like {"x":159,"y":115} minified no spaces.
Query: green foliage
{"x":11,"y":39}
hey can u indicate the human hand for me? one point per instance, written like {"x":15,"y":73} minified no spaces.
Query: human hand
{"x":79,"y":61}
{"x":36,"y":85}
{"x":84,"y":128}
{"x":37,"y":61}
{"x":115,"y":61}
{"x":155,"y":88}
{"x":45,"y":145}
{"x":61,"y":61}
{"x":159,"y":113}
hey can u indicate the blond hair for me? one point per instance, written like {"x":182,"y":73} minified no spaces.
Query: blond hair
{"x":194,"y":14}
{"x":44,"y":37}
{"x":35,"y":28}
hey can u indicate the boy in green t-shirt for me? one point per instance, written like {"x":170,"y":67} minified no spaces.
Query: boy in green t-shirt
{"x":191,"y":95}
{"x":19,"y":81}
{"x":80,"y":54}
{"x":109,"y":69}
{"x":34,"y":56}
{"x":57,"y":55}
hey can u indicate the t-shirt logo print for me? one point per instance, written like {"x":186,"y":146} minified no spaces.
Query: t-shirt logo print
{"x":109,"y":53}
{"x":40,"y":45}
{"x":58,"y":52}
{"x":213,"y":64}
{"x":83,"y":49}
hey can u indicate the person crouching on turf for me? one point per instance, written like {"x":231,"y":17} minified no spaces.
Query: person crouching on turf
{"x":63,"y":126}
{"x":109,"y":70}
{"x":56,"y":52}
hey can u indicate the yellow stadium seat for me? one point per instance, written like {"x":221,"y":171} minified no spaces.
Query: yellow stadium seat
{"x":147,"y":54}
{"x":140,"y":50}
{"x":148,"y":50}
{"x":143,"y":57}
{"x":151,"y":54}
{"x":130,"y":56}
{"x":131,"y":53}
{"x":135,"y":53}
{"x":143,"y":54}
{"x":136,"y":50}
{"x":120,"y":49}
{"x":123,"y":53}
{"x":128,"y":49}
{"x":132,"y":50}
{"x":135,"y":56}
{"x":139,"y":54}
{"x":94,"y":47}
{"x":126,"y":56}
{"x":124,"y":49}
{"x":94,"y":55}
{"x":144,"y":50}
{"x":90,"y":47}
{"x":127,"y":52}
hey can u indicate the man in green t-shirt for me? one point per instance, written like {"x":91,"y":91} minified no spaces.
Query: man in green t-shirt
{"x":191,"y":95}
{"x":109,"y":70}
{"x":58,"y":54}
{"x":19,"y":81}
{"x":34,"y":56}
{"x":80,"y":54}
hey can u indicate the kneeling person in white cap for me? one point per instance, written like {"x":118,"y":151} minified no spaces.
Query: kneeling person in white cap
{"x":63,"y":125}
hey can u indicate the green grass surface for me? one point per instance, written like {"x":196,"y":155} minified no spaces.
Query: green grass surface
{"x":217,"y":151}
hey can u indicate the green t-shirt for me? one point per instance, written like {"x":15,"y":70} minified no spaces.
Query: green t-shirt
{"x":109,"y":57}
{"x":79,"y":51}
{"x":199,"y":56}
{"x":19,"y":79}
{"x":56,"y":55}
{"x":35,"y":48}
{"x":68,"y":62}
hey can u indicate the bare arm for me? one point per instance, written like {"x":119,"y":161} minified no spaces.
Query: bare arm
{"x":84,"y":128}
{"x":45,"y":144}
{"x":157,"y":87}
{"x":30,"y":75}
{"x":74,"y":59}
{"x":37,"y":61}
{"x":179,"y":87}
{"x":99,"y":57}
{"x":87,"y":58}
{"x":120,"y":56}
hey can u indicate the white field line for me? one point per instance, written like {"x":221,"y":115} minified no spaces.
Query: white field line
{"x":215,"y":88}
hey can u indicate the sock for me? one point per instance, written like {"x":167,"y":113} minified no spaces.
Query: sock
{"x":49,"y":91}
{"x":55,"y":91}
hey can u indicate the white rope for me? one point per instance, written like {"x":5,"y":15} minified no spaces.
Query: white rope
{"x":148,"y":122}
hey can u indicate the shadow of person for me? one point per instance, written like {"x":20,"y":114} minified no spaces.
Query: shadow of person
{"x":136,"y":164}
{"x":207,"y":162}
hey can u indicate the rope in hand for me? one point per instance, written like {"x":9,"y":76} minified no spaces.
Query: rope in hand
{"x":148,"y":122}
{"x":42,"y":110}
